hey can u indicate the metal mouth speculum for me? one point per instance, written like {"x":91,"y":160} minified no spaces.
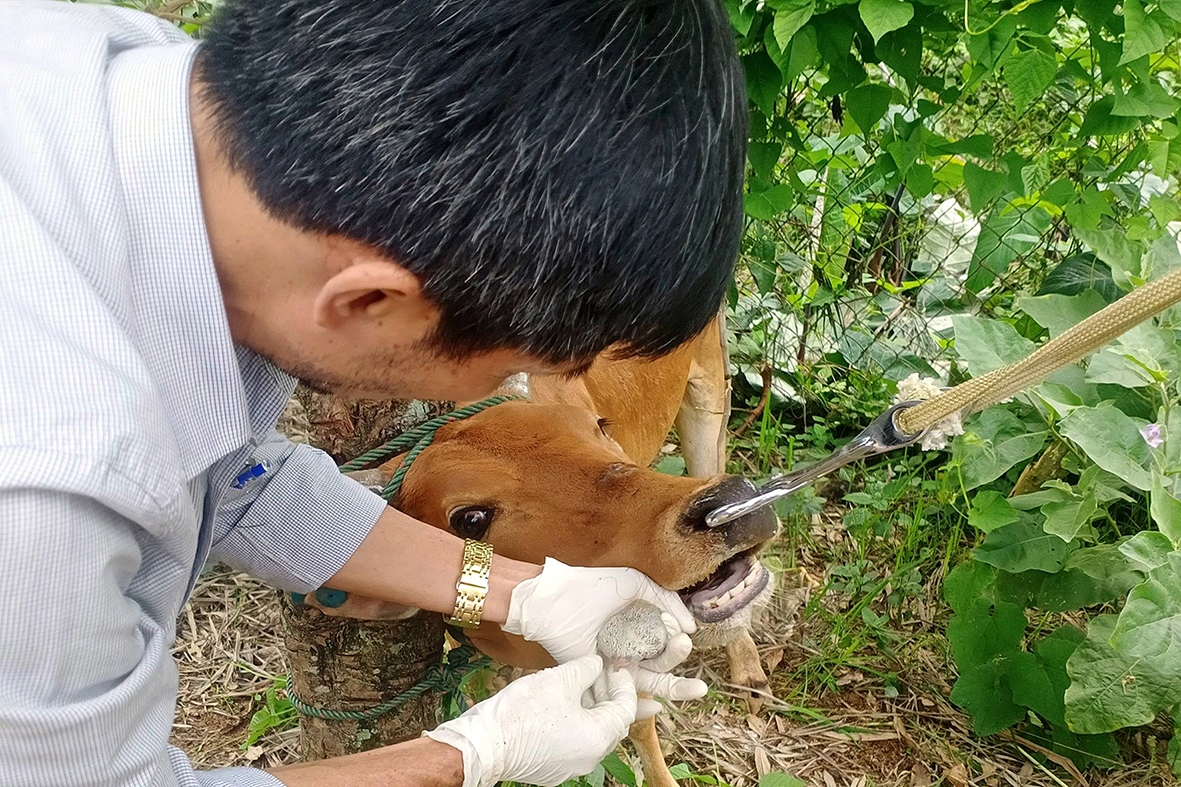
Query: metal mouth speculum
{"x":881,"y":436}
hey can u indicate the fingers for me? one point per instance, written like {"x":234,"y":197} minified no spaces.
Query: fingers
{"x":647,"y":708}
{"x":670,"y":687}
{"x":671,"y":603}
{"x":597,"y":692}
{"x":618,"y":710}
{"x":676,"y":651}
{"x":582,"y":672}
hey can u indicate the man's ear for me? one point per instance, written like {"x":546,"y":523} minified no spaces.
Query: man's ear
{"x":373,"y":290}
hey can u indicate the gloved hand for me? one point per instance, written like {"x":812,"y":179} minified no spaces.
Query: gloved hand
{"x":653,"y":677}
{"x":544,"y":728}
{"x":563,"y":608}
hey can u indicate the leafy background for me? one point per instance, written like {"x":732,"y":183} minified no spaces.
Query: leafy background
{"x":935,"y":188}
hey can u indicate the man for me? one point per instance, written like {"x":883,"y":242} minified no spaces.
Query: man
{"x":384,"y":199}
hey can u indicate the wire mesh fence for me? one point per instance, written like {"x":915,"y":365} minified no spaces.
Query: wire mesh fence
{"x":851,"y":274}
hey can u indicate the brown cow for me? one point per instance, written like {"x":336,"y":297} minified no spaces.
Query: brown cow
{"x":565,"y":475}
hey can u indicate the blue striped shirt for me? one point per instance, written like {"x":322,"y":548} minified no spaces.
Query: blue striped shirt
{"x":136,"y":441}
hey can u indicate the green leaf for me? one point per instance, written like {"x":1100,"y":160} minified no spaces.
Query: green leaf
{"x":1021,"y":547}
{"x":763,"y":157}
{"x":1052,"y":492}
{"x":1172,"y":9}
{"x":985,"y":692}
{"x":1116,"y":368}
{"x":985,"y":344}
{"x":995,"y":442}
{"x":1028,"y":74}
{"x":1003,"y":238}
{"x":986,"y":631}
{"x":1088,"y":212}
{"x":775,"y":779}
{"x":741,"y":15}
{"x":883,"y":16}
{"x":619,"y":769}
{"x":1078,"y":273}
{"x":1147,"y":550}
{"x":763,"y":81}
{"x":989,"y":49}
{"x":1164,"y":210}
{"x":1053,"y":651}
{"x":868,"y":104}
{"x":1089,"y":577}
{"x":1108,"y":690}
{"x":1060,"y":399}
{"x":990,"y":510}
{"x":1143,"y":34}
{"x":967,"y":584}
{"x":768,"y":204}
{"x":1112,"y":441}
{"x":790,"y":16}
{"x":1032,"y":686}
{"x":1101,"y":120}
{"x":801,"y":55}
{"x":671,"y":465}
{"x":1143,"y":100}
{"x":1065,"y":520}
{"x":902,"y":50}
{"x":983,"y":185}
{"x":920,"y":180}
{"x":1149,"y":626}
{"x":1165,"y":509}
{"x":1060,"y":313}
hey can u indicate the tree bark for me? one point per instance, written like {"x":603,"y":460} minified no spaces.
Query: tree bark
{"x":344,"y":664}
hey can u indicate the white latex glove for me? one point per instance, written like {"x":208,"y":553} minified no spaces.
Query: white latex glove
{"x":563,"y":608}
{"x":653,"y":677}
{"x":544,"y":728}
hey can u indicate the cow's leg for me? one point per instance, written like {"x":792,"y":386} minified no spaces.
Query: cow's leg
{"x":643,"y":737}
{"x":746,"y":669}
{"x":705,"y":409}
{"x":702,"y":425}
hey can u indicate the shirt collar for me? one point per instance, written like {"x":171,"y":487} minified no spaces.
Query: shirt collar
{"x":178,"y":316}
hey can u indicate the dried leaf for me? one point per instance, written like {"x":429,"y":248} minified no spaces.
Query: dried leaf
{"x":957,"y":776}
{"x":762,"y":762}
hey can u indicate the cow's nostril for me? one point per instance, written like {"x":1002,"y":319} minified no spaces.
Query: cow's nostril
{"x":730,"y":489}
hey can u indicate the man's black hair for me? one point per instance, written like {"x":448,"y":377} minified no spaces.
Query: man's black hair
{"x":561,"y":175}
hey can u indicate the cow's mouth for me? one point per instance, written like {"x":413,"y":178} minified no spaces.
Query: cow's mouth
{"x":734,"y":585}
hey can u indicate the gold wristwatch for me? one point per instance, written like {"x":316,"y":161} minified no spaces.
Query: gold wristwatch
{"x":472,"y":588}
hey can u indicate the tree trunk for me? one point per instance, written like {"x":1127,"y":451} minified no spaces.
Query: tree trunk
{"x":343,"y":664}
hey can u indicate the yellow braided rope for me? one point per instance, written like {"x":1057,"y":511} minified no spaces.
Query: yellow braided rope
{"x":1074,"y":345}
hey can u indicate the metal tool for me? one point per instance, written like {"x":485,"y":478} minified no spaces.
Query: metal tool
{"x":879,"y":437}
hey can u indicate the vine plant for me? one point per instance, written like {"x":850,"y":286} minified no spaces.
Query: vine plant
{"x":1055,"y":122}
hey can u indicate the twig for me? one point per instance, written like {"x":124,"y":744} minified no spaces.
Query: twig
{"x":762,"y":405}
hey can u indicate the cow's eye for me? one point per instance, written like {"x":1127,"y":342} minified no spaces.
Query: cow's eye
{"x":471,"y":521}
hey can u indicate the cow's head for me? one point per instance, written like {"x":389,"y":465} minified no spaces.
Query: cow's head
{"x":540,"y":480}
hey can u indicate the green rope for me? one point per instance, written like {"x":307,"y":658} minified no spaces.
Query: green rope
{"x":416,"y":440}
{"x":445,"y":677}
{"x":449,"y":674}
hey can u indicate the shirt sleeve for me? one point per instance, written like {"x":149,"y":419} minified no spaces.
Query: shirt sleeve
{"x":88,"y":688}
{"x":299,"y":522}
